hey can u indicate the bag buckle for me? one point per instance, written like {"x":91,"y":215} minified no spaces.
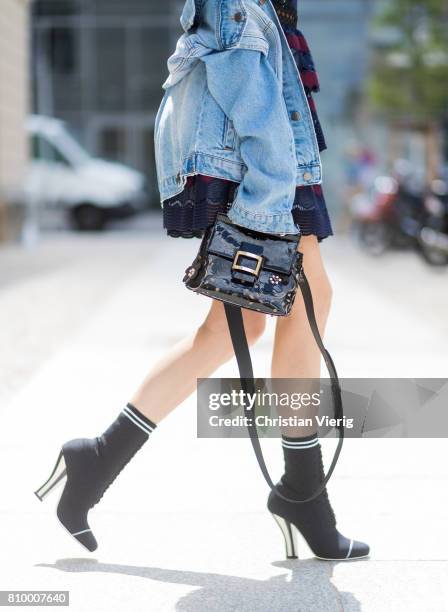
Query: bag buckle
{"x":257,"y":258}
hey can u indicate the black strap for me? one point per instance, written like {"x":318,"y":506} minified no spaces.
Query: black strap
{"x":242,"y":353}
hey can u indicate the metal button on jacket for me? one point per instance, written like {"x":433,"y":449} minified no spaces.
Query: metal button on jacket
{"x":307,"y":176}
{"x":295,"y":115}
{"x":238,"y":16}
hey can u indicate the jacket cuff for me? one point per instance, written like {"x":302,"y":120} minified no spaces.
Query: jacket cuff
{"x":309,"y":174}
{"x":280,"y":223}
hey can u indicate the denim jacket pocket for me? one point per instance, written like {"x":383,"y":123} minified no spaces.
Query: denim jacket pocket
{"x":259,"y":32}
{"x":232,"y":19}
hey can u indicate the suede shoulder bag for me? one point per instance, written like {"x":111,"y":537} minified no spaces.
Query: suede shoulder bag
{"x":259,"y":271}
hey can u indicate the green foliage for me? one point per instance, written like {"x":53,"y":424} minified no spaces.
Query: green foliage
{"x":410,"y":74}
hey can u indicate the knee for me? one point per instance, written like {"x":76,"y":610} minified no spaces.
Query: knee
{"x":254,"y":324}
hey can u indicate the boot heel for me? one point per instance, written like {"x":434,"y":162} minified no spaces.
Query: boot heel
{"x":289,"y":533}
{"x":56,"y":476}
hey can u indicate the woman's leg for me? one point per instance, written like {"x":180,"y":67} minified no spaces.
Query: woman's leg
{"x":90,"y":465}
{"x":173,"y":378}
{"x":296,"y":355}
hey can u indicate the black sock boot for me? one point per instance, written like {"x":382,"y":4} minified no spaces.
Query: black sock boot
{"x":90,"y":465}
{"x":304,"y":471}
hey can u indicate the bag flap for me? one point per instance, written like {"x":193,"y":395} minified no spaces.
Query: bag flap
{"x":278,"y":254}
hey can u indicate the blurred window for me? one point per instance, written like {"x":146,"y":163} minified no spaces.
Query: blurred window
{"x":148,"y":164}
{"x":110,"y":58}
{"x":112,"y":143}
{"x":129,"y":7}
{"x":148,"y":147}
{"x":57,"y":69}
{"x":61,"y":49}
{"x":55,"y":7}
{"x":43,"y":149}
{"x":150,"y":69}
{"x":76,"y":152}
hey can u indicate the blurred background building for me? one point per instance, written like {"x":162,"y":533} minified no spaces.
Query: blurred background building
{"x":100,"y":63}
{"x":14,"y":79}
{"x":98,"y":66}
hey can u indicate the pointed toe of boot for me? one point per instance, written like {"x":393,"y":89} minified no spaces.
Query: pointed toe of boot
{"x":358,"y":550}
{"x":82,"y":533}
{"x":86,"y":539}
{"x":74,"y":518}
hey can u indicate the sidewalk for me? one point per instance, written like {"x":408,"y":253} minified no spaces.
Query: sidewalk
{"x":185,"y":526}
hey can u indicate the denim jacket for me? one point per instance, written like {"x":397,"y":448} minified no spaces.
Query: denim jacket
{"x":234,"y":107}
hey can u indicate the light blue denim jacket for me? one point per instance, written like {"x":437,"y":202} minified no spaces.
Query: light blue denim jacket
{"x":234,"y":107}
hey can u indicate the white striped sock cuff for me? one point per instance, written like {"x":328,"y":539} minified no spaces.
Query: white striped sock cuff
{"x":300,"y":443}
{"x":138,"y":419}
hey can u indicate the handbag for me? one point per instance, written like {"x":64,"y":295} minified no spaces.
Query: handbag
{"x":244,"y":268}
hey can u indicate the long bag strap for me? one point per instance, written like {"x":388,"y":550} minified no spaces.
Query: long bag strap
{"x":242,"y":353}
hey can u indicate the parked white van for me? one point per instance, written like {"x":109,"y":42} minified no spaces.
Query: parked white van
{"x":63,"y":174}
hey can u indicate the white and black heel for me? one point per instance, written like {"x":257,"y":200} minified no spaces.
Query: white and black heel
{"x":313,"y":520}
{"x":71,"y":512}
{"x":89,"y":466}
{"x":76,"y":466}
{"x":57,"y":476}
{"x":289,"y":534}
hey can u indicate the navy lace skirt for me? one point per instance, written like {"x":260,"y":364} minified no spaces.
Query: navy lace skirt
{"x":189,"y":213}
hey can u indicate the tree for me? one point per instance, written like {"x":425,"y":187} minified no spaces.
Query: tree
{"x":410,"y":66}
{"x":411,"y":72}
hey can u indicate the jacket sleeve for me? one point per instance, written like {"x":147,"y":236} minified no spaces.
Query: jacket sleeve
{"x":245,"y":86}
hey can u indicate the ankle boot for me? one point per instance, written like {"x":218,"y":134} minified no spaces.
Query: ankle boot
{"x":88,"y":466}
{"x":315,"y":520}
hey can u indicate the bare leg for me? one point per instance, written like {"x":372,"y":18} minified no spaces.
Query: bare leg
{"x":295,"y":353}
{"x":297,"y":356}
{"x":174,"y":377}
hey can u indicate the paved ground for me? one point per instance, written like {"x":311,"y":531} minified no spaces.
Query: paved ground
{"x":185,"y":527}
